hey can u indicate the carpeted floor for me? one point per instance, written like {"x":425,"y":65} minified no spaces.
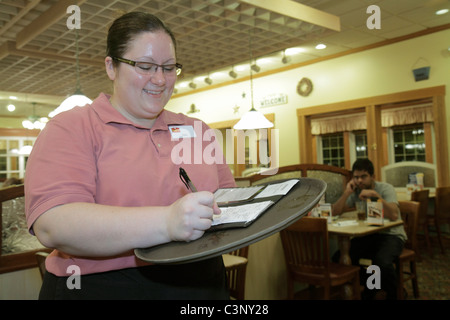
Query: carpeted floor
{"x":433,"y":273}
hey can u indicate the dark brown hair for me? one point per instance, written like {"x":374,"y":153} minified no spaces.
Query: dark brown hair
{"x":125,"y":28}
{"x":363,"y":165}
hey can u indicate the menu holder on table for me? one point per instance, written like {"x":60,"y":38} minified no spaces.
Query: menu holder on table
{"x":375,"y":213}
{"x":303,"y":196}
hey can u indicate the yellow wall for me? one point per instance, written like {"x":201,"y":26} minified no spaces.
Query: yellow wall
{"x":10,"y":123}
{"x":374,"y":72}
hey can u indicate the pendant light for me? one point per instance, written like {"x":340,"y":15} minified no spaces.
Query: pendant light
{"x":78,"y":98}
{"x":34,"y":121}
{"x":253,"y":119}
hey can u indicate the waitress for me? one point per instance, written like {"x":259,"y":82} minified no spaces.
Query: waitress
{"x":103,"y":179}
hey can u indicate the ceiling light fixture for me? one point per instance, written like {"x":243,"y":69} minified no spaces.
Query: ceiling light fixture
{"x":441,"y":12}
{"x":34,"y":121}
{"x":253,"y":119}
{"x":11,"y":107}
{"x":208,"y":80}
{"x":293,"y":51}
{"x":255,"y":67}
{"x":321,"y":46}
{"x":78,"y":98}
{"x":192,"y":85}
{"x":233,"y":73}
{"x":285,"y":59}
{"x":25,"y":150}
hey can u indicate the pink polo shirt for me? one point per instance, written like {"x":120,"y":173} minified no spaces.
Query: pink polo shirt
{"x":93,"y":154}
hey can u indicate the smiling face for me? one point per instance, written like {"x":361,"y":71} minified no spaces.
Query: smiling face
{"x":141,"y":98}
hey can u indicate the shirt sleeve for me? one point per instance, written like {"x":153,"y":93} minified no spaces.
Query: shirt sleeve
{"x":350,"y":202}
{"x":226,"y":179}
{"x":388,"y":193}
{"x":61,"y":168}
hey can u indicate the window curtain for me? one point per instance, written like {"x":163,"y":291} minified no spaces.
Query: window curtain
{"x":389,"y":118}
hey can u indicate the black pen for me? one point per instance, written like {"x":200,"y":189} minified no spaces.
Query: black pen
{"x":187,"y":182}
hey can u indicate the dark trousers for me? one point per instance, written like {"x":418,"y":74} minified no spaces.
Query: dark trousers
{"x":383,"y":250}
{"x":198,"y":280}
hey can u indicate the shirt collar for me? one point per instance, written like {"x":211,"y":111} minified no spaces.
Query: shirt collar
{"x":167,"y":118}
{"x":108,"y":114}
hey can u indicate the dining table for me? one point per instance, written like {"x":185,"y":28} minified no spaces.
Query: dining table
{"x":348,"y":226}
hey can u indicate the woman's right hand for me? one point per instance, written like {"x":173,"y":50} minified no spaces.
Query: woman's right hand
{"x":190,"y":216}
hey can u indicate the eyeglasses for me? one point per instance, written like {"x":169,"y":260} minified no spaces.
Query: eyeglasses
{"x":148,"y":68}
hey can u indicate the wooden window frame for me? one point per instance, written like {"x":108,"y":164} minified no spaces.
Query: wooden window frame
{"x":372,"y":107}
{"x":228,"y":124}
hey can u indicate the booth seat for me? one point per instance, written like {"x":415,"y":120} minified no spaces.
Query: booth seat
{"x":18,"y":246}
{"x":335,"y":177}
{"x":397,"y":173}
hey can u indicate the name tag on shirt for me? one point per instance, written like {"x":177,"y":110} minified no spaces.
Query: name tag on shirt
{"x":178,"y":132}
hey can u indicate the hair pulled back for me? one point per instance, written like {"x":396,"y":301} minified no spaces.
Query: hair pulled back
{"x":125,"y":28}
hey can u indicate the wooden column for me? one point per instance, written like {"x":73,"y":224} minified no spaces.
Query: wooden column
{"x":305,"y":138}
{"x":442,"y":165}
{"x":375,"y":138}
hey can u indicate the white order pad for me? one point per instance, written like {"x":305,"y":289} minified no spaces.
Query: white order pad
{"x":241,"y":216}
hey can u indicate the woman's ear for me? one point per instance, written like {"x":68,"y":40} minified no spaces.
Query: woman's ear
{"x":110,"y":69}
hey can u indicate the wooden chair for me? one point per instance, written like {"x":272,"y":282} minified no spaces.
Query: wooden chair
{"x":421,"y":196}
{"x":236,"y":268}
{"x":442,"y":212}
{"x":410,"y":211}
{"x":306,"y":250}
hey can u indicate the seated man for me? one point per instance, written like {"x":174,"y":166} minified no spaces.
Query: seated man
{"x":383,"y":247}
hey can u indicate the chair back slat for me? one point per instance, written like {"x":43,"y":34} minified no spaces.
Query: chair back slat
{"x":421,"y":196}
{"x":306,"y":247}
{"x":442,"y":203}
{"x":242,"y":252}
{"x":410,"y":216}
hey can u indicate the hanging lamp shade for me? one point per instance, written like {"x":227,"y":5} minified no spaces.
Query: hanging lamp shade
{"x":78,"y":99}
{"x":34,"y":121}
{"x":253,"y":119}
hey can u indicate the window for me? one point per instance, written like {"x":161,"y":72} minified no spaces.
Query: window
{"x":13,"y":156}
{"x":333,"y":150}
{"x":409,"y":143}
{"x":361,"y":144}
{"x":397,"y":109}
{"x":406,"y":143}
